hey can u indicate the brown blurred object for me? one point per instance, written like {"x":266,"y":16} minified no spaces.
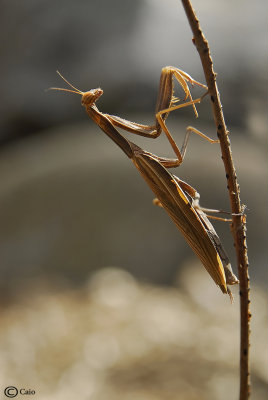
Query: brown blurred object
{"x":115,"y":338}
{"x":122,"y":46}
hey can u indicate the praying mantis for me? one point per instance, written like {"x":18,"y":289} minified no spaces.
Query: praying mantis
{"x":178,"y":198}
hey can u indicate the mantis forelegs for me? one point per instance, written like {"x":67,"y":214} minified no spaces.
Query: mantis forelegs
{"x":166,"y":103}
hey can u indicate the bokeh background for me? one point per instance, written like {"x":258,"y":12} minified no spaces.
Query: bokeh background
{"x":100,"y":295}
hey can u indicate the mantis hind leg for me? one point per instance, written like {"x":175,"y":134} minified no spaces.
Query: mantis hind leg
{"x":208,"y":210}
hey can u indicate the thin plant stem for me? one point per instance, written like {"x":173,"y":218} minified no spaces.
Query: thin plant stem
{"x":238,"y":221}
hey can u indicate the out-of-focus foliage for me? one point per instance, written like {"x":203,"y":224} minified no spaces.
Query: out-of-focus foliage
{"x":121,"y":46}
{"x":116,"y":339}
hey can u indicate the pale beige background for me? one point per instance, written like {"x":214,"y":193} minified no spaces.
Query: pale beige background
{"x":72,"y":205}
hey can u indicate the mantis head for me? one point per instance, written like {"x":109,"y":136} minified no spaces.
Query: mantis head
{"x":88,"y":98}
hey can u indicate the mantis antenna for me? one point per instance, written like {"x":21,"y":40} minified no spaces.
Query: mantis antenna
{"x":77,"y":91}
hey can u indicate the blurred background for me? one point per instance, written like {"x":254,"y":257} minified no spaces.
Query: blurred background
{"x":90,"y":270}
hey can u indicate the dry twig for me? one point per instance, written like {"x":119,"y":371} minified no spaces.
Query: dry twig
{"x":239,"y":222}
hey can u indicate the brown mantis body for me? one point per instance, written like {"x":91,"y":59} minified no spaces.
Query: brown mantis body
{"x":178,"y":198}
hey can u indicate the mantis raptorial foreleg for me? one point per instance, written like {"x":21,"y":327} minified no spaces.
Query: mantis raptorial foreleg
{"x":166,"y":103}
